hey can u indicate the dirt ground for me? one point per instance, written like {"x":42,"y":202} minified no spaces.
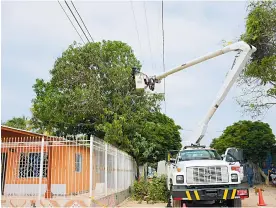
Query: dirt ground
{"x":269,"y":196}
{"x":131,"y":203}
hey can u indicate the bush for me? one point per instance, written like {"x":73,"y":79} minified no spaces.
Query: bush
{"x":155,"y":190}
{"x":140,"y":189}
{"x":158,"y":189}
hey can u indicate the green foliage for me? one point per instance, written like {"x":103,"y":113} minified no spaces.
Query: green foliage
{"x":158,"y":191}
{"x":146,"y":137}
{"x":85,"y":81}
{"x":259,"y":77}
{"x":162,"y":131}
{"x":92,"y":91}
{"x":140,"y":189}
{"x":255,"y":138}
{"x":25,"y":123}
{"x":261,"y":28}
{"x":154,"y":190}
{"x":19,"y":123}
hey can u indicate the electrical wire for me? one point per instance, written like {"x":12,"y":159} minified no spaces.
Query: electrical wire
{"x":82,"y":21}
{"x":77,"y":21}
{"x":163,"y":40}
{"x":148,"y":34}
{"x":136,"y":26}
{"x":71,"y":22}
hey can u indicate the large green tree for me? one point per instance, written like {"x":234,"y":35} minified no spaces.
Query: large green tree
{"x":259,"y":78}
{"x":255,"y":138}
{"x":92,"y":91}
{"x":86,"y":81}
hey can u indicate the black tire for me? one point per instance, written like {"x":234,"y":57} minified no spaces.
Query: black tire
{"x":170,"y":199}
{"x":234,"y":203}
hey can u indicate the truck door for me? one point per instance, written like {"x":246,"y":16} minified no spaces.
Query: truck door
{"x":234,"y":157}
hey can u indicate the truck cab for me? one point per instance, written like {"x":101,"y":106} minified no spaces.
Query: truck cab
{"x":201,"y":175}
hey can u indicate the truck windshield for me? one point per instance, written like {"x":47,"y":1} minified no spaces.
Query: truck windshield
{"x":199,"y":154}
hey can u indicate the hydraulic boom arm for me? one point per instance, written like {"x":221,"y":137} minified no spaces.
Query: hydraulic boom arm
{"x":244,"y":52}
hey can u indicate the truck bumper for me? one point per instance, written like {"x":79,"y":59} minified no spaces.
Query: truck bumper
{"x":208,"y":194}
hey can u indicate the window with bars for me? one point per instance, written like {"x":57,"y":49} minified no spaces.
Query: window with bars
{"x":29,"y":165}
{"x":78,"y":162}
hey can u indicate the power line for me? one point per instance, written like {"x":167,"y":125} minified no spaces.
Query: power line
{"x":82,"y":21}
{"x":77,"y":21}
{"x":148,"y":33}
{"x":163,"y":54}
{"x":71,"y":22}
{"x":136,"y":26}
{"x":206,"y":131}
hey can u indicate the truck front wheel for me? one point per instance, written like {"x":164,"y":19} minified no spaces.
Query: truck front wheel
{"x":234,"y":203}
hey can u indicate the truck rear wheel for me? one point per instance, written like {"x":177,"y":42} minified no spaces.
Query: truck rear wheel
{"x":234,"y":203}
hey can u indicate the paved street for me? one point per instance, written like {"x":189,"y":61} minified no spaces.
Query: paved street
{"x":269,"y":196}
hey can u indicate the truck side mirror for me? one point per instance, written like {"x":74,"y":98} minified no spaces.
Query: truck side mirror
{"x":223,"y":156}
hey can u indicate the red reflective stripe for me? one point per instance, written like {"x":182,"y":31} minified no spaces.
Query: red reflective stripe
{"x":177,"y":199}
{"x":242,"y":192}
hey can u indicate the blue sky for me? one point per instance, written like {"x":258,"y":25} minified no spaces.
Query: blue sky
{"x":34,"y":34}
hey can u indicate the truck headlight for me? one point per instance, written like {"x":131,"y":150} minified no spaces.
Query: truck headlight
{"x":179,"y":179}
{"x":234,"y":178}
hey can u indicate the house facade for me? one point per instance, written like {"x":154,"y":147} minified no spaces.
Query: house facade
{"x":63,"y":169}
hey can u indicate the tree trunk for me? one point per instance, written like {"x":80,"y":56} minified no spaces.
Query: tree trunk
{"x":264,"y":176}
{"x":137,"y":173}
{"x":259,"y":174}
{"x":137,"y":170}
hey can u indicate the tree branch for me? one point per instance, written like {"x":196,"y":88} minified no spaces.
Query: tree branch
{"x":272,"y":83}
